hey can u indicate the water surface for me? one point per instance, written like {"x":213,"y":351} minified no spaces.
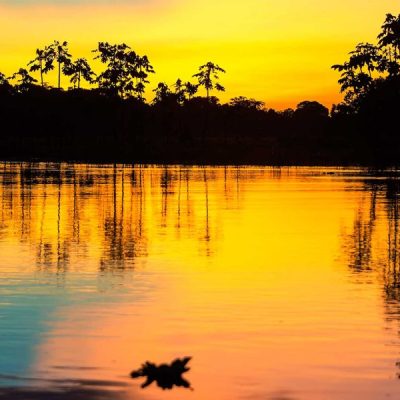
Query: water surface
{"x":281,"y":283}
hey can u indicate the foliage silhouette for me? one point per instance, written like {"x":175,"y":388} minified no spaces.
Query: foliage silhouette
{"x":78,"y":70}
{"x":190,"y":89}
{"x":244,"y":102}
{"x":25,"y":82}
{"x":357,"y":74}
{"x":126,"y":72}
{"x":208,"y":73}
{"x":43,"y":62}
{"x":113,"y":122}
{"x":57,"y":52}
{"x":162,"y":92}
{"x":3,"y":79}
{"x":166,"y":376}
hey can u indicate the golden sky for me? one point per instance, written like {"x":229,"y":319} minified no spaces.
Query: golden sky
{"x":276,"y":51}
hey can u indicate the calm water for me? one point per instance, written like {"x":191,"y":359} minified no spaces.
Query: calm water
{"x":281,"y":283}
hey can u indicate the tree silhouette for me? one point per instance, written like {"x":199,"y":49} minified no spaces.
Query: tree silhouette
{"x":369,"y":65}
{"x":162,"y":92}
{"x":126,"y":72}
{"x":365,"y":55}
{"x":179,"y":90}
{"x":246,"y":103}
{"x":3,"y":79}
{"x":312,"y":109}
{"x":5,"y":87}
{"x":390,"y":35}
{"x":352,"y":82}
{"x":42,"y":62}
{"x":178,"y":86}
{"x":208,"y":73}
{"x":78,"y":70}
{"x":58,"y":52}
{"x":24,"y":80}
{"x":389,"y":43}
{"x":190,"y":89}
{"x":143,"y":69}
{"x":119,"y":60}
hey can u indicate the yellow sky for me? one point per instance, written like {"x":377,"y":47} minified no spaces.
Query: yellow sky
{"x":276,"y":51}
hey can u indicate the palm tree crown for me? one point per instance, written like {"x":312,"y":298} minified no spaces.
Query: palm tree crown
{"x":78,"y":70}
{"x":208,"y":73}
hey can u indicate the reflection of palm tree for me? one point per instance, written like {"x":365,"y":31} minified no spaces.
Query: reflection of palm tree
{"x":179,"y":198}
{"x":207,"y":235}
{"x":361,"y":239}
{"x":392,"y":275}
{"x":165,"y":183}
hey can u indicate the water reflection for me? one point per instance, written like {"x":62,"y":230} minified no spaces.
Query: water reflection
{"x":373,"y":243}
{"x":53,"y":205}
{"x":372,"y":247}
{"x":265,"y":275}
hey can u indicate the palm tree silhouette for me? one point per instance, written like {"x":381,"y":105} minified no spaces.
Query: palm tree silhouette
{"x":78,"y":70}
{"x":41,"y":63}
{"x":206,"y":76}
{"x":179,"y":90}
{"x":144,"y":68}
{"x":58,"y":52}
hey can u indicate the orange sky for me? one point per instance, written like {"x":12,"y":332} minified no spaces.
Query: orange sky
{"x":276,"y":51}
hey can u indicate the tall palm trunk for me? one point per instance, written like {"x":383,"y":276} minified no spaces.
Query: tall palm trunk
{"x":59,"y":74}
{"x":41,"y":73}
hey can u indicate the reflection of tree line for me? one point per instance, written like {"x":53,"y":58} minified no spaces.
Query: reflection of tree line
{"x":362,"y":244}
{"x":392,"y":273}
{"x":55,"y":207}
{"x":372,"y":247}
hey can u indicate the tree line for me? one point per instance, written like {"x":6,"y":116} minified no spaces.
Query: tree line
{"x":370,"y":67}
{"x":126,"y":73}
{"x":108,"y":119}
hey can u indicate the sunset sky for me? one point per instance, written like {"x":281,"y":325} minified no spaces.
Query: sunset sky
{"x":276,"y":51}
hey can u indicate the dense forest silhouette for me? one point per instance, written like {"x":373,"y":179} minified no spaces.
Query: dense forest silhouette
{"x":105,"y":117}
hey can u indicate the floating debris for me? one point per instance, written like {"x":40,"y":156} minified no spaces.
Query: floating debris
{"x":165,"y":375}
